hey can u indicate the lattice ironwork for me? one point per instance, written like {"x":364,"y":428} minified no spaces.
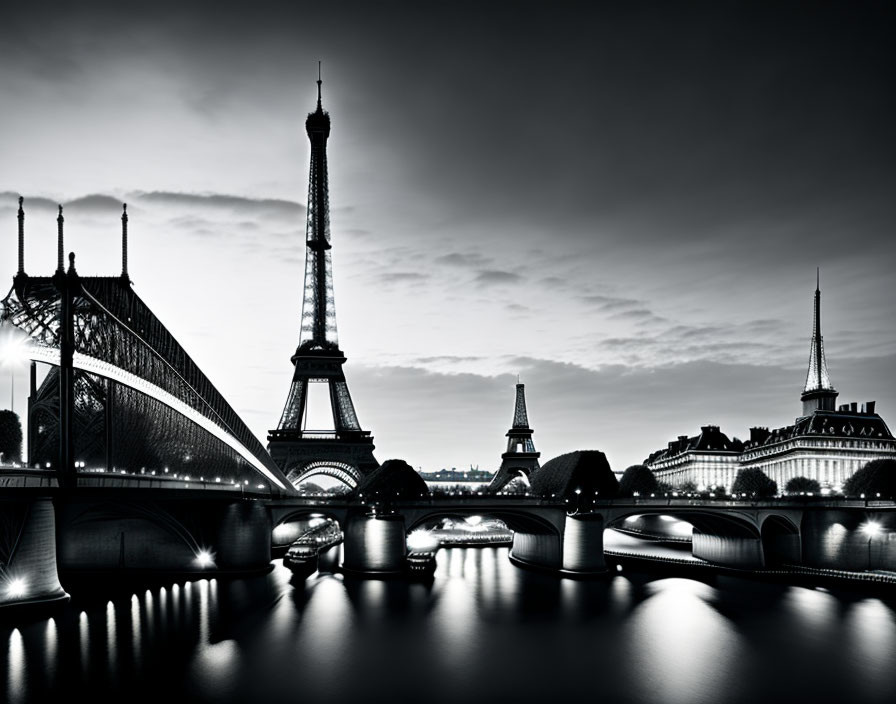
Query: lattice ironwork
{"x":318,"y":357}
{"x":161,"y":396}
{"x":345,"y":409}
{"x":520,"y":417}
{"x":342,"y":471}
{"x":292,"y":411}
{"x":318,"y":330}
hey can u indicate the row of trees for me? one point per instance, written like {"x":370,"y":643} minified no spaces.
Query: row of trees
{"x":877,"y":479}
{"x":10,"y":437}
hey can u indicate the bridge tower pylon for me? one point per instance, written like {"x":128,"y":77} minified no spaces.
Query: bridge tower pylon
{"x":521,"y":456}
{"x":343,"y":450}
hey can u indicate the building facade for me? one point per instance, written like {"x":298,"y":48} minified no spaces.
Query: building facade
{"x":706,"y":460}
{"x":823,"y":443}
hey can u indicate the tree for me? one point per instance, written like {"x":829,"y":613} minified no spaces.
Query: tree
{"x":10,"y":436}
{"x":802,"y":485}
{"x":876,"y":477}
{"x":687,"y":487}
{"x":637,"y":479}
{"x":755,"y":483}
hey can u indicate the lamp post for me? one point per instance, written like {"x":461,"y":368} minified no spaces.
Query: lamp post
{"x":871,"y":529}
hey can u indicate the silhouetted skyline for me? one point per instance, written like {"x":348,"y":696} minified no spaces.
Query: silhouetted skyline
{"x":625,"y":203}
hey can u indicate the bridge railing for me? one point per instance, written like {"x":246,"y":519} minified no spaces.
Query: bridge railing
{"x":21,"y":477}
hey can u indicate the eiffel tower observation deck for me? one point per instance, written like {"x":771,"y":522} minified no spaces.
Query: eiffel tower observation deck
{"x":341,"y":450}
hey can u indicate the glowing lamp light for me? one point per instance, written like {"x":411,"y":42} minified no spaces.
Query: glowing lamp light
{"x":14,"y":347}
{"x":205,"y":559}
{"x":871,"y":528}
{"x":422,"y":541}
{"x":15,"y":588}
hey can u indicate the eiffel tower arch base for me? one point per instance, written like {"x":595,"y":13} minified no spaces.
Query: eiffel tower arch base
{"x":346,"y":456}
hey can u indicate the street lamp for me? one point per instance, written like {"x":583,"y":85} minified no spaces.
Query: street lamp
{"x":871,"y":529}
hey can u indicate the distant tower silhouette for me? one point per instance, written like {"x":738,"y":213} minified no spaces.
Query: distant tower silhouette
{"x":344,"y":451}
{"x":521,"y":457}
{"x":819,"y":393}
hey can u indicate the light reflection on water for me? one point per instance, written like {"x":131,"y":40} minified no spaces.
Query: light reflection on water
{"x":16,"y":687}
{"x":680,"y":645}
{"x":482,"y":629}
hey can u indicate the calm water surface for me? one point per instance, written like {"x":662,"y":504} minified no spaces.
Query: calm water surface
{"x":482,"y":630}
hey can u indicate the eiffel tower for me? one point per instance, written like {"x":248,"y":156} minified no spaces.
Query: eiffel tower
{"x":521,"y":459}
{"x":344,"y":451}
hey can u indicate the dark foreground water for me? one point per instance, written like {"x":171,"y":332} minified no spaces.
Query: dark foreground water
{"x":483,"y":630}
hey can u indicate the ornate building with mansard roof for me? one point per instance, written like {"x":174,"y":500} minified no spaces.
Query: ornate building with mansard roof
{"x":824,"y":444}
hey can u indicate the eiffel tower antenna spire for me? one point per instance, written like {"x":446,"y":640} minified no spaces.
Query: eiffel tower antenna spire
{"x":319,"y":108}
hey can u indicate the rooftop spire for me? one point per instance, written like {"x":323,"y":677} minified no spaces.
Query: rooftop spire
{"x":819,"y":391}
{"x":60,"y":268}
{"x":124,"y":241}
{"x":21,"y":236}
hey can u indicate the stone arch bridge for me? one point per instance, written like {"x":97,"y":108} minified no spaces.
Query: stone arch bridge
{"x":547,"y":534}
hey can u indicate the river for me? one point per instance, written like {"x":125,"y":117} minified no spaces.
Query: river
{"x":482,"y":630}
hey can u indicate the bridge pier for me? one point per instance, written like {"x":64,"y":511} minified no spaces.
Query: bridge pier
{"x":28,"y":553}
{"x":243,"y":540}
{"x":583,"y":544}
{"x":375,"y":544}
{"x":542,"y":550}
{"x":740,"y":551}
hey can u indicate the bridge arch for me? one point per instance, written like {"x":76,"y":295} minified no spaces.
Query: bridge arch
{"x":721,"y":537}
{"x":537,"y":534}
{"x":518,"y":521}
{"x":347,"y":474}
{"x":707,"y":521}
{"x":287,"y":528}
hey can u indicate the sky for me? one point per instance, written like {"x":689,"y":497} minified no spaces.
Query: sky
{"x":623,"y":203}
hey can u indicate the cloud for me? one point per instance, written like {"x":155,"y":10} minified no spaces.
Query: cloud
{"x":449,"y":359}
{"x":639,"y":315}
{"x":96,"y":203}
{"x":462,"y":260}
{"x":256,"y":206}
{"x":493,"y":277}
{"x":610,"y":303}
{"x":402,"y":277}
{"x":10,"y":200}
